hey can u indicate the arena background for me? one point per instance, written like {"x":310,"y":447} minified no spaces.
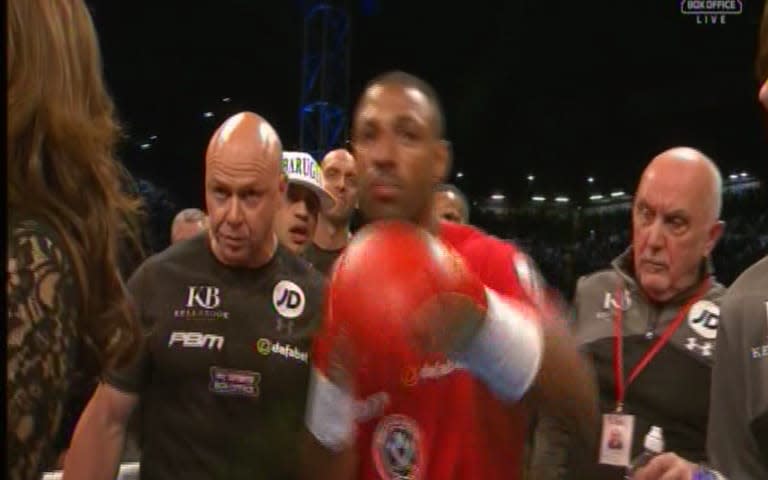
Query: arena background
{"x":554,"y":100}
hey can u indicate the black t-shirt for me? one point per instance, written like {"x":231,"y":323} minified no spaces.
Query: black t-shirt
{"x":224,"y":373}
{"x":321,"y":259}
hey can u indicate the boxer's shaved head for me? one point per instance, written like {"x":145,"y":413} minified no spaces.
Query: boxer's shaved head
{"x":675,"y":220}
{"x":416,"y":85}
{"x":244,"y":184}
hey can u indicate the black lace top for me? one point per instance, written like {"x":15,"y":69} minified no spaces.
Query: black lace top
{"x":42,"y":345}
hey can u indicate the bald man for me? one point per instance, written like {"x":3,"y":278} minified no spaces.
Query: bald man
{"x":657,"y":303}
{"x":333,"y":226}
{"x":223,"y":374}
{"x":450,"y":205}
{"x":188,"y":223}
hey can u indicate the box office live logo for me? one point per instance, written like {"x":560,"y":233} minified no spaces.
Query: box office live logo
{"x":711,"y":12}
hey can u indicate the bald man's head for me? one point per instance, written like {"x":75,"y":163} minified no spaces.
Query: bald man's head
{"x":244,"y":184}
{"x":704,"y":175}
{"x":675,"y":221}
{"x":340,"y":177}
{"x":187,"y":224}
{"x":450,"y":204}
{"x":246,"y":137}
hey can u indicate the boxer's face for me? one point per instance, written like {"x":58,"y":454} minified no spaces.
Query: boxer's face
{"x":448,"y":207}
{"x":673,"y":230}
{"x":399,"y":155}
{"x":242,"y":196}
{"x":340,"y":177}
{"x":297,"y":219}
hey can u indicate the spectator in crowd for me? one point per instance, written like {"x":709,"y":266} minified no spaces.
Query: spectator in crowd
{"x":224,"y":372}
{"x":187,"y":224}
{"x":333,"y":225}
{"x":68,"y":312}
{"x":296,"y":219}
{"x":649,"y":325}
{"x":738,"y":416}
{"x":450,"y":204}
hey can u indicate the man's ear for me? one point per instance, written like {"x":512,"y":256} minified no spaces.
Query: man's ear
{"x":441,"y":167}
{"x":714,"y":234}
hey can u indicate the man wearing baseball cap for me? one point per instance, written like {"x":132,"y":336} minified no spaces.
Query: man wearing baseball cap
{"x":296,"y":219}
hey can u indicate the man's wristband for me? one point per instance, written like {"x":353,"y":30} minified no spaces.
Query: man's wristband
{"x":331,"y":413}
{"x":506,"y":352}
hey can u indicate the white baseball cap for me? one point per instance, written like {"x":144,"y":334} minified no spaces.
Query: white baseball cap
{"x":300,"y":168}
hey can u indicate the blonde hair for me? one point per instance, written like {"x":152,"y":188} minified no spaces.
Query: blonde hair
{"x":62,"y":134}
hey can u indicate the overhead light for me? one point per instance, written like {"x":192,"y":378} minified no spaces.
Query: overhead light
{"x":145,"y":146}
{"x":531,"y":178}
{"x":743,"y":174}
{"x":733,"y":176}
{"x":226,"y":99}
{"x":153,"y":137}
{"x":537,"y":198}
{"x":459,"y":175}
{"x":596,"y":197}
{"x":561,"y":199}
{"x":497,"y":196}
{"x":208,"y":114}
{"x":590,"y":179}
{"x":617,"y":194}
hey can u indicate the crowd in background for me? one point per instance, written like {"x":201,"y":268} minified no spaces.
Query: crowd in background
{"x":566,"y":244}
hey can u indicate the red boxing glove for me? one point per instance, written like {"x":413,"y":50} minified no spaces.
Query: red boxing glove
{"x":397,"y":297}
{"x":398,"y":294}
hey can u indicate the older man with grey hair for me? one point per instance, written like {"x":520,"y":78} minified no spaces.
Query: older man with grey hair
{"x":187,"y":224}
{"x":649,"y":324}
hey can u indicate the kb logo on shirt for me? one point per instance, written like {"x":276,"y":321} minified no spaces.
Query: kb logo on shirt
{"x":288,"y":299}
{"x":203,"y":297}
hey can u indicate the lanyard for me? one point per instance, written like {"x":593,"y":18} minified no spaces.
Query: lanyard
{"x":618,"y":342}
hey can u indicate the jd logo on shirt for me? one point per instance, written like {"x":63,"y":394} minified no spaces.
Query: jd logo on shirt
{"x":703,"y":319}
{"x":203,"y":297}
{"x":288,"y":299}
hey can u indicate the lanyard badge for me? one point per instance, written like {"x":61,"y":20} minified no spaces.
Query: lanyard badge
{"x":618,"y":427}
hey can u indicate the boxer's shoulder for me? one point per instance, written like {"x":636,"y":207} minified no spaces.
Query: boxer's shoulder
{"x":471,"y":240}
{"x":501,"y":264}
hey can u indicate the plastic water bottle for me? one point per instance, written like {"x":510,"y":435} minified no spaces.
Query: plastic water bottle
{"x":653,"y":445}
